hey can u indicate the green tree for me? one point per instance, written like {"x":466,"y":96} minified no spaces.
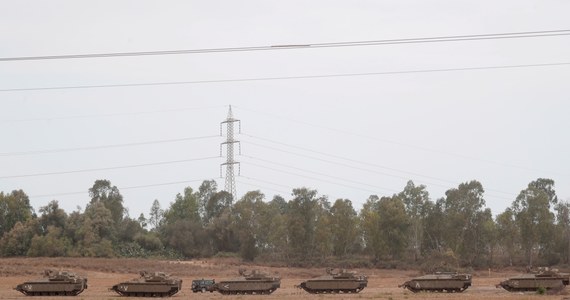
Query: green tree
{"x":185,"y":207}
{"x":207,"y":189}
{"x":143,"y":222}
{"x":462,"y":208}
{"x":509,"y":233}
{"x":385,"y":226}
{"x":52,"y":215}
{"x":394,"y":225}
{"x":187,"y":237}
{"x":103,"y":192}
{"x":17,"y":241}
{"x":344,"y":227}
{"x":220,"y":221}
{"x":156,"y":214}
{"x":435,"y":225}
{"x":535,"y":220}
{"x":217,"y":204}
{"x":323,"y":229}
{"x":181,"y":227}
{"x":14,"y":207}
{"x":563,"y":229}
{"x":51,"y":245}
{"x":128,"y":229}
{"x":370,"y":225}
{"x":301,"y":223}
{"x":248,"y":212}
{"x":273,"y":230}
{"x":416,"y":200}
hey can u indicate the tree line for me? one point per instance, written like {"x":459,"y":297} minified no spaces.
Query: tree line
{"x":405,"y":229}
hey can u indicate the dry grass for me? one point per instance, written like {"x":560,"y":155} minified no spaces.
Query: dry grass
{"x":103,"y":273}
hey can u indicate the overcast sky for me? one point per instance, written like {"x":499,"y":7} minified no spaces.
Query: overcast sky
{"x":345,"y":136}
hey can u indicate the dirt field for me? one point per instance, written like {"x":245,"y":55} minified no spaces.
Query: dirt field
{"x":104,"y":273}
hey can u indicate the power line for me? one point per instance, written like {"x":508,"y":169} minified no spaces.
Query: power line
{"x":112,"y":115}
{"x":108,"y":168}
{"x":438,"y":39}
{"x":402,"y":144}
{"x":265,"y":187}
{"x":343,"y":158}
{"x":120,"y":188}
{"x":359,"y":168}
{"x":371,"y":171}
{"x":277,"y":184}
{"x":313,"y":178}
{"x":33,"y":152}
{"x":316,"y":173}
{"x":253,"y":79}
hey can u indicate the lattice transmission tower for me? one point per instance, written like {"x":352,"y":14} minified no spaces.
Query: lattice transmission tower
{"x":230,"y":162}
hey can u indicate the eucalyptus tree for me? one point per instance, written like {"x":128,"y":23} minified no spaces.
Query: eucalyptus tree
{"x":301,"y":223}
{"x":534,"y":217}
{"x":344,"y":227}
{"x":248,"y":217}
{"x":181,"y":227}
{"x":102,"y":191}
{"x":417,"y":203}
{"x":385,"y":226}
{"x":508,"y":233}
{"x":463,"y":208}
{"x":156,"y":214}
{"x":563,"y":229}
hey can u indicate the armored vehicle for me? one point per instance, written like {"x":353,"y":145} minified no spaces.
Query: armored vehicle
{"x":54,"y":283}
{"x":157,"y":284}
{"x":254,"y":282}
{"x":203,"y":285}
{"x":450,"y":282}
{"x":335,"y":282}
{"x":543,"y":278}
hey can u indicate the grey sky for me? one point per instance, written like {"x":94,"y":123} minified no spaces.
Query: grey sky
{"x":503,"y":127}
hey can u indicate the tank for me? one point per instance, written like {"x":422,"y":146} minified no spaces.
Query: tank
{"x":543,"y":278}
{"x":54,"y":283}
{"x":254,"y":282}
{"x":157,"y":284}
{"x":450,"y":282}
{"x":335,"y":282}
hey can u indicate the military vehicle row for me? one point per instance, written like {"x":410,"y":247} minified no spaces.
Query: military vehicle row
{"x":454,"y":283}
{"x":159,"y":284}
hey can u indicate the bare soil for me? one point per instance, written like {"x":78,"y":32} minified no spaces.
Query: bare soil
{"x":104,"y":273}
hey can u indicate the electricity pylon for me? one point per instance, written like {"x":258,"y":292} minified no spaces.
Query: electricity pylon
{"x":230,"y":162}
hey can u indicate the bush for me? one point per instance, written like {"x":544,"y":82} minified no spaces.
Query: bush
{"x":148,"y":241}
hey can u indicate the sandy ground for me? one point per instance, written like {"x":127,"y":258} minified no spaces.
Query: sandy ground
{"x":104,"y":273}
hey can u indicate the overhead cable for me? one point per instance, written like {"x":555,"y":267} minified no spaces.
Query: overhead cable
{"x":32,"y":152}
{"x":120,"y":188}
{"x":462,"y":156}
{"x":253,"y":79}
{"x":112,"y":114}
{"x":437,"y":39}
{"x":108,"y":168}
